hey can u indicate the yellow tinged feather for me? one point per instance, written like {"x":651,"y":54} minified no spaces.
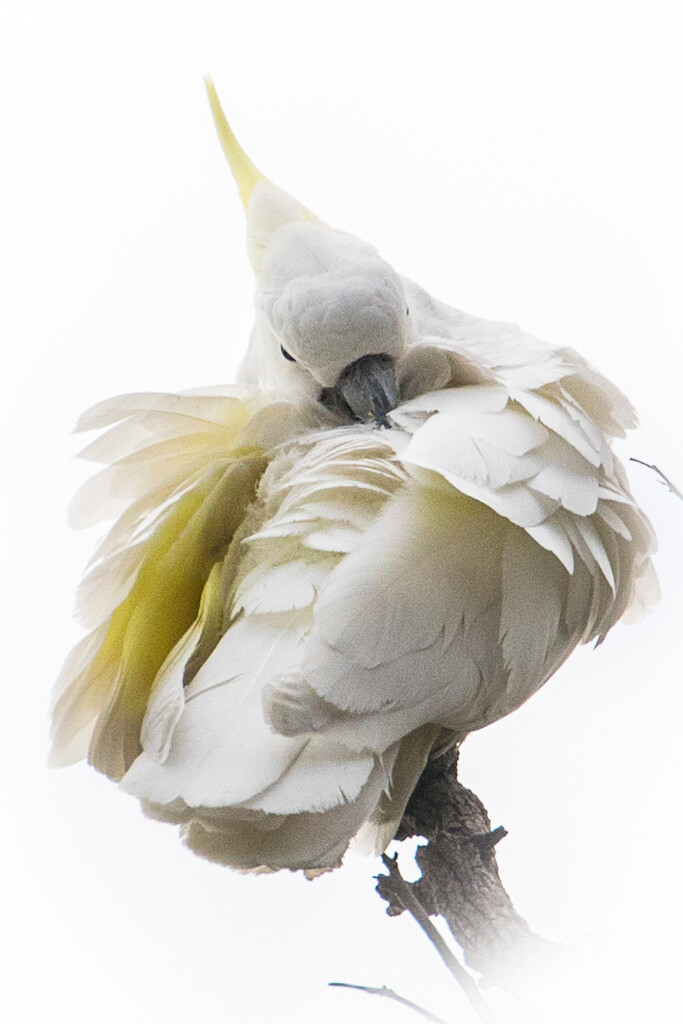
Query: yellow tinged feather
{"x":245,"y":173}
{"x":164,"y":602}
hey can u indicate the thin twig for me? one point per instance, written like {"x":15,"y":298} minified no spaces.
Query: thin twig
{"x":662,"y":476}
{"x":390,"y":994}
{"x":405,"y":894}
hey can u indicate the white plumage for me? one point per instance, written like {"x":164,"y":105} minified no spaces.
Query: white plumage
{"x":392,"y":532}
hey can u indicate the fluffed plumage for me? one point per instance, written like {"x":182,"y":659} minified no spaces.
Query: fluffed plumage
{"x":390,"y":533}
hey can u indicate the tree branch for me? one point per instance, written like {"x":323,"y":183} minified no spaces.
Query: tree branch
{"x":390,"y":994}
{"x":403,"y":892}
{"x":662,"y":476}
{"x":460,"y":880}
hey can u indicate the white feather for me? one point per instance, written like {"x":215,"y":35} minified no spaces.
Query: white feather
{"x":222,"y":727}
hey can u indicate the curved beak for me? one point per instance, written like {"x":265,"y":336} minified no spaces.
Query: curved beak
{"x":366,"y":389}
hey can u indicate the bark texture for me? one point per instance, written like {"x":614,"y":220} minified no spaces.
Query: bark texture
{"x":460,"y":879}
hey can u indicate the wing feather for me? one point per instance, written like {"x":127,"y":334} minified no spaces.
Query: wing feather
{"x":255,"y":841}
{"x":183,"y":500}
{"x":222,"y":728}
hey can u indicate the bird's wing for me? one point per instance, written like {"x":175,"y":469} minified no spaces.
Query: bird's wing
{"x":490,"y":351}
{"x":505,"y":548}
{"x":581,"y":411}
{"x":181,"y":472}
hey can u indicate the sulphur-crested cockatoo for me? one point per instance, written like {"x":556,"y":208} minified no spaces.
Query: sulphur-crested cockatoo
{"x":392,"y":531}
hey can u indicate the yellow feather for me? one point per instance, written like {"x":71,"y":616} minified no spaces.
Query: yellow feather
{"x":164,"y":602}
{"x":245,"y":173}
{"x":114,"y":685}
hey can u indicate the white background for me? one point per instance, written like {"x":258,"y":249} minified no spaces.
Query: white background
{"x":522,"y":160}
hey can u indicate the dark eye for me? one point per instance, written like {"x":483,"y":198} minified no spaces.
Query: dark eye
{"x":286,"y":354}
{"x":407,"y":311}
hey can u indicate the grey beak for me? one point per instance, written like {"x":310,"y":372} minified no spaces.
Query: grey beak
{"x":367,"y":389}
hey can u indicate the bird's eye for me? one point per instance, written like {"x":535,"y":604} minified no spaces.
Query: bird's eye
{"x":286,"y":354}
{"x":407,"y":311}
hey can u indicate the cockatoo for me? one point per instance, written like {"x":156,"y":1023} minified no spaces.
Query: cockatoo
{"x":391,"y":532}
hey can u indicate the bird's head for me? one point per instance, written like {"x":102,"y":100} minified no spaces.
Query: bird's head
{"x":332,"y":317}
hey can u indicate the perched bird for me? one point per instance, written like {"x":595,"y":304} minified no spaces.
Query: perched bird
{"x":391,"y":532}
